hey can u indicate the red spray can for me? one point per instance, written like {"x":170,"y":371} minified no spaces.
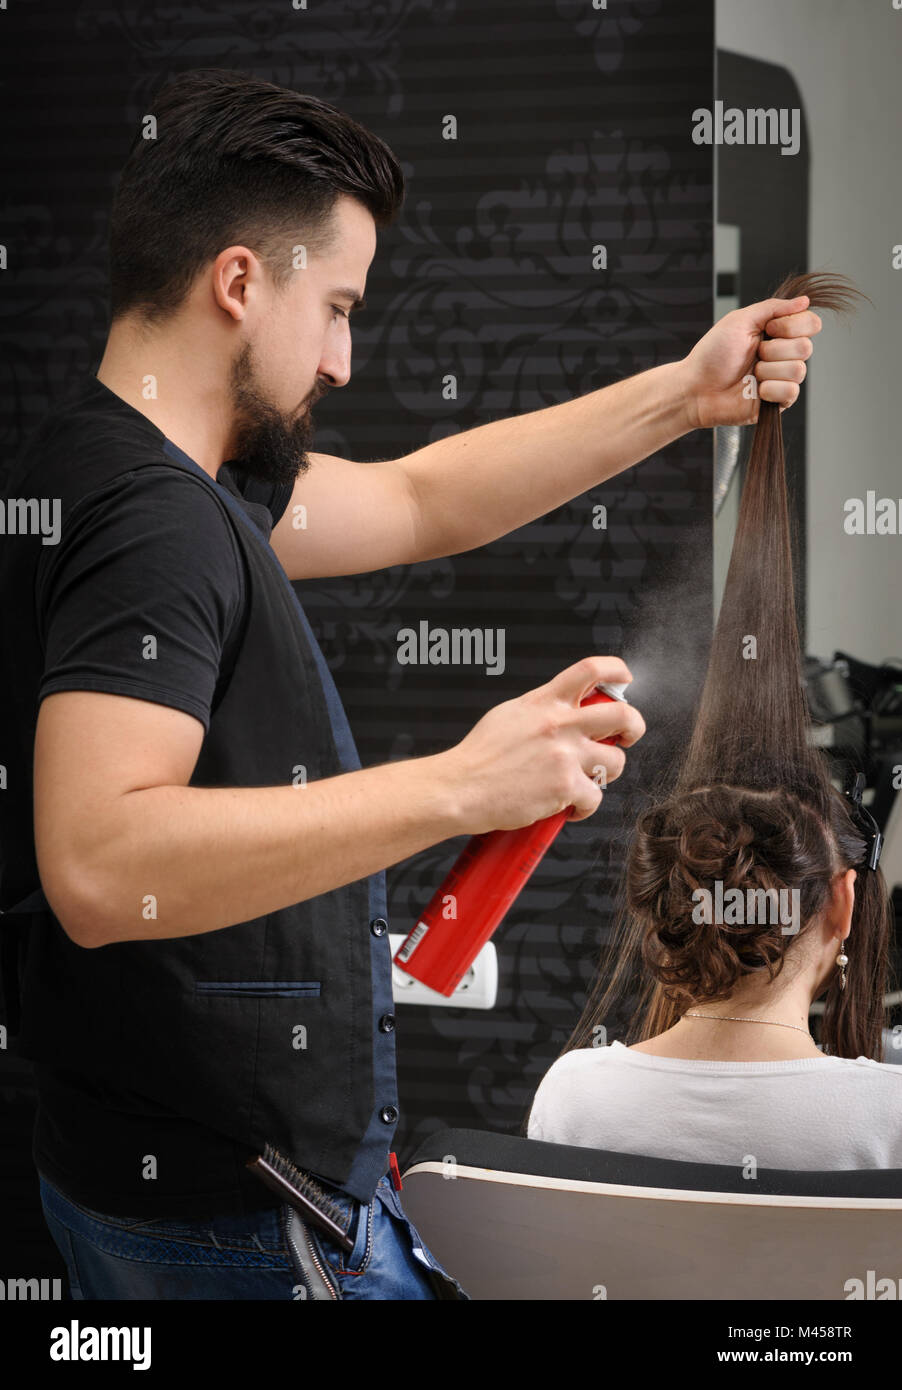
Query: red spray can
{"x":482,"y":883}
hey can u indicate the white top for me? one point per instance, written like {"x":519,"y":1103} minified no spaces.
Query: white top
{"x":815,"y":1112}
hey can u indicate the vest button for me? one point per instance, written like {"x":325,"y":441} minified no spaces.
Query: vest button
{"x":387,"y":1023}
{"x":378,"y":926}
{"x":388,"y":1114}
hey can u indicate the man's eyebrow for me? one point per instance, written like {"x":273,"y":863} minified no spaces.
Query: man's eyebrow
{"x":348,"y":292}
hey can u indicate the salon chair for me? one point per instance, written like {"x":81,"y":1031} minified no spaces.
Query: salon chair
{"x":515,"y":1218}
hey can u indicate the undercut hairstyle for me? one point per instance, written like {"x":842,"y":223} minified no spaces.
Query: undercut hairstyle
{"x":750,"y":802}
{"x":236,"y":160}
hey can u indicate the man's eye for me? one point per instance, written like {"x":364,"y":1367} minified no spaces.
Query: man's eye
{"x":338,"y":309}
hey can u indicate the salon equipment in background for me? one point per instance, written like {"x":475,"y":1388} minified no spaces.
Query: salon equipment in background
{"x":728,"y":448}
{"x":481,"y":885}
{"x":857,"y":714}
{"x":856,"y":710}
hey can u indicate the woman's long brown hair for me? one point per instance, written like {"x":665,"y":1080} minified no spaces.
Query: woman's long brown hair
{"x":751,"y":803}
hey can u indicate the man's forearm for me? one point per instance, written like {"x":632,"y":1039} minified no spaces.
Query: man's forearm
{"x":473,"y":487}
{"x":203,"y":858}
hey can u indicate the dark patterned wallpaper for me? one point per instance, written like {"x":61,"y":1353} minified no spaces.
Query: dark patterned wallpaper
{"x":574,"y":130}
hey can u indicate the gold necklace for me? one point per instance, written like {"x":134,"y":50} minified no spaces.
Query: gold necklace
{"x":728,"y":1018}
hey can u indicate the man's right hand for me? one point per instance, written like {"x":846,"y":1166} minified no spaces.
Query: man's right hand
{"x":118,"y":823}
{"x":533,"y":756}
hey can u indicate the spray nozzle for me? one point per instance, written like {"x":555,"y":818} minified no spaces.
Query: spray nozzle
{"x":616,"y":692}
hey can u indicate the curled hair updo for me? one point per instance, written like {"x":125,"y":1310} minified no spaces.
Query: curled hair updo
{"x":743,"y":838}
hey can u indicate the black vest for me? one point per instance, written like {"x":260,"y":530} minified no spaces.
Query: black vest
{"x":209,"y":1046}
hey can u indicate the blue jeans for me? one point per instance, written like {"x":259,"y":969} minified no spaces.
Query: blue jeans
{"x":270,"y":1254}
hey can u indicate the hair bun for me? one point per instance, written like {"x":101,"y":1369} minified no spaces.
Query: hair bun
{"x":737,"y":838}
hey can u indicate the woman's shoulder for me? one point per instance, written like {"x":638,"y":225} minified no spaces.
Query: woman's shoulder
{"x":888,"y":1072}
{"x":580,"y":1058}
{"x":568,"y":1084}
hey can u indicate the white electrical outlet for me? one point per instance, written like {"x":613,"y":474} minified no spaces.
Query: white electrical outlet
{"x":477,"y":990}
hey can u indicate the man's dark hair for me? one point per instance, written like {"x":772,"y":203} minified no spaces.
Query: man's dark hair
{"x":236,"y":160}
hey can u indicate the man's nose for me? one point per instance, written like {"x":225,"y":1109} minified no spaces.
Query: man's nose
{"x":335,"y":366}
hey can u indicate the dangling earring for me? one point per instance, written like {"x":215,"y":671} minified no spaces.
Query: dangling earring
{"x":842,"y":960}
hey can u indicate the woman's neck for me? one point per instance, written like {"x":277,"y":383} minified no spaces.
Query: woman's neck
{"x":722,"y":1034}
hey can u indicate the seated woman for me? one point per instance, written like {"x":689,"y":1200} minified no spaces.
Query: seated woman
{"x":724,"y":1068}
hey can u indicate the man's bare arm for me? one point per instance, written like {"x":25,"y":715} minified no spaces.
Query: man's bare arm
{"x":127,"y":850}
{"x":473,"y":487}
{"x":469,"y":488}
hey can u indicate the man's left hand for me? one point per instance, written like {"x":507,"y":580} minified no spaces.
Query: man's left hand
{"x":717,"y":386}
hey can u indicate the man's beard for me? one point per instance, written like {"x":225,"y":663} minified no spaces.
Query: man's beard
{"x":266,"y":443}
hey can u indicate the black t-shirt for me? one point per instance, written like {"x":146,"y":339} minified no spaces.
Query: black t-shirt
{"x":102,"y":603}
{"x":152,"y":636}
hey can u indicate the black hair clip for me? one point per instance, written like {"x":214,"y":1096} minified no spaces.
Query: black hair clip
{"x":863,"y":819}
